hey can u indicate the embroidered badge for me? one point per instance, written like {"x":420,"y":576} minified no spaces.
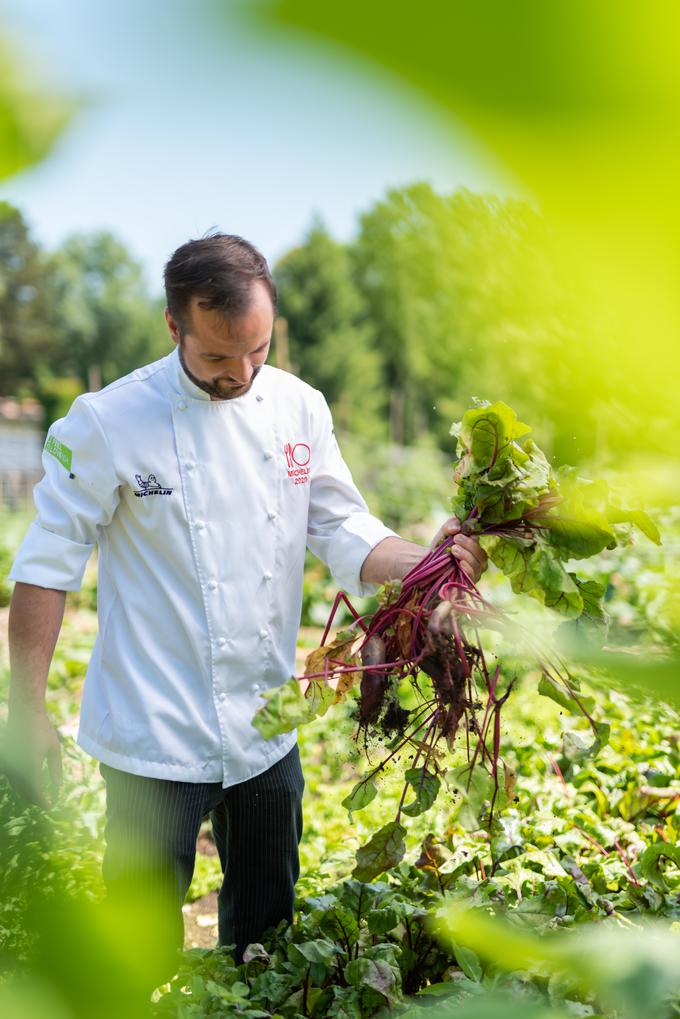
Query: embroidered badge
{"x":297,"y":457}
{"x":150,"y":487}
{"x":60,"y":452}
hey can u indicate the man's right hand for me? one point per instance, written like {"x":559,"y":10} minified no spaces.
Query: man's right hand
{"x":32,"y":740}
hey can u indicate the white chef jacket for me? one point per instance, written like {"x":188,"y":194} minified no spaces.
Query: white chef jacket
{"x":201,"y":510}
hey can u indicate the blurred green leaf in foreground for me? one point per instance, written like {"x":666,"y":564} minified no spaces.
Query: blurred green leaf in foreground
{"x":633,"y":972}
{"x":32,"y":115}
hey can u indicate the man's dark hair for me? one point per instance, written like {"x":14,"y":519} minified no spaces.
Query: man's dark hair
{"x":220,"y":269}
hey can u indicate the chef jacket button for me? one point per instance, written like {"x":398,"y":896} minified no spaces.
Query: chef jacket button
{"x":268,"y":454}
{"x":212,"y":584}
{"x":200,"y":526}
{"x":264,"y":633}
{"x":272,"y":514}
{"x":256,"y":687}
{"x":259,"y":397}
{"x":221,"y":641}
{"x":182,"y":405}
{"x":267,"y":575}
{"x":222,"y":695}
{"x":190,"y":465}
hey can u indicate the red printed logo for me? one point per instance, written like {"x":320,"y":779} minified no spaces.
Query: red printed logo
{"x":297,"y":456}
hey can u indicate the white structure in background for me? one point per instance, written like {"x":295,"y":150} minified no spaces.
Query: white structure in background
{"x":21,"y":442}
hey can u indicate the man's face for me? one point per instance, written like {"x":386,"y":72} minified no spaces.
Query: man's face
{"x":222,"y":356}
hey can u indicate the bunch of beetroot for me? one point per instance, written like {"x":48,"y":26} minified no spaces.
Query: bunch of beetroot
{"x":531,"y":521}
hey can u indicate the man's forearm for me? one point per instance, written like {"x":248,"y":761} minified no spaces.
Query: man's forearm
{"x":391,"y":559}
{"x":35,"y":618}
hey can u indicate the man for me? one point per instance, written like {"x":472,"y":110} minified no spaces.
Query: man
{"x":201,"y":478}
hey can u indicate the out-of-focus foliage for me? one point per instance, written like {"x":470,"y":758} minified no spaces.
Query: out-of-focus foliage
{"x":632,"y":973}
{"x":580,"y":102}
{"x":642,"y":596}
{"x":32,"y":115}
{"x":57,"y":393}
{"x":405,"y":486}
{"x":331,"y":337}
{"x":581,"y":847}
{"x":27,"y":337}
{"x":453,"y":283}
{"x":585,"y":842}
{"x":466,"y":295}
{"x":72,"y":319}
{"x":104,"y":316}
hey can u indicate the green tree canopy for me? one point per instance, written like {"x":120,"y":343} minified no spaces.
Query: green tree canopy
{"x":466,"y":301}
{"x":330,"y":335}
{"x":106,"y":322}
{"x":26,"y":305}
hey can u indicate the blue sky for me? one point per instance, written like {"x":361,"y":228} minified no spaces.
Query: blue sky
{"x":193,"y":121}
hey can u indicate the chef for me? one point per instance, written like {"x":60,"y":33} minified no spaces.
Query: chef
{"x":201,"y":478}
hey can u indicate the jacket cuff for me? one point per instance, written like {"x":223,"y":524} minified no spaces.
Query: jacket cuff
{"x":350,"y":545}
{"x":48,"y":560}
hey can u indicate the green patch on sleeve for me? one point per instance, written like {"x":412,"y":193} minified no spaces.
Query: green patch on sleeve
{"x":61,"y":452}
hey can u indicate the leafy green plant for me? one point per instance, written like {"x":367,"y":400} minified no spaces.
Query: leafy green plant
{"x":533,"y":521}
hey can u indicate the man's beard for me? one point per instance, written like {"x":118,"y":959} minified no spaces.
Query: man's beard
{"x":213,"y":388}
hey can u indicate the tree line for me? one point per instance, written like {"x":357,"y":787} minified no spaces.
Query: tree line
{"x":436,"y":300}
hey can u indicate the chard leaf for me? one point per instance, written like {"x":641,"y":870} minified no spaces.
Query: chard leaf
{"x":502,"y":473}
{"x":340,"y":649}
{"x":535,"y":472}
{"x":649,"y":864}
{"x":380,"y":921}
{"x":592,"y":593}
{"x":590,"y":628}
{"x":548,"y":687}
{"x":577,"y":535}
{"x":340,"y":925}
{"x":485,"y":436}
{"x":506,"y":836}
{"x":577,"y":745}
{"x":468,"y":962}
{"x":550,"y":583}
{"x":319,"y":950}
{"x":426,"y":787}
{"x":361,"y":898}
{"x":287,"y":707}
{"x":511,"y":555}
{"x":578,"y":525}
{"x":535,"y":570}
{"x":476,"y":791}
{"x":361,"y":795}
{"x":374,"y":973}
{"x":491,"y":502}
{"x":640,"y":519}
{"x":383,"y":850}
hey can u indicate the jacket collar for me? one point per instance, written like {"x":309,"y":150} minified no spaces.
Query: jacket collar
{"x":181,"y":383}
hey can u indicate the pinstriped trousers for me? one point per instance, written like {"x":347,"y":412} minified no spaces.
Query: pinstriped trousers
{"x":151,"y":829}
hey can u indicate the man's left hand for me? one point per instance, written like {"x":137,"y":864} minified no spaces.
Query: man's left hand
{"x":467,"y":550}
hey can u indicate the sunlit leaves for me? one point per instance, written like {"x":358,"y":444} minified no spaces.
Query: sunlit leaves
{"x":536,"y":571}
{"x":532,"y":520}
{"x":632,"y":971}
{"x":485,"y":435}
